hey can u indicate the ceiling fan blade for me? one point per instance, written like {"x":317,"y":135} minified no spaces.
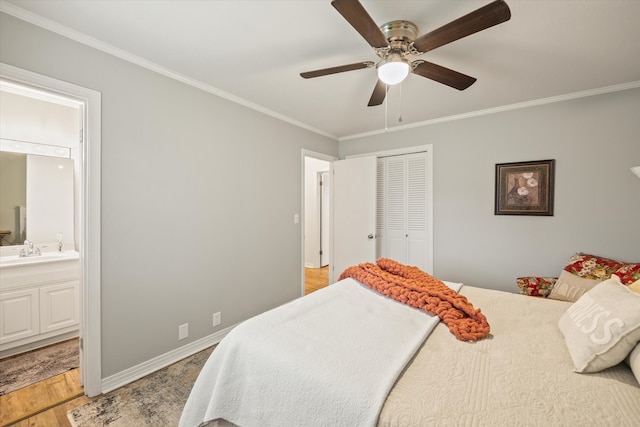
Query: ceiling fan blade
{"x":357,"y":16}
{"x":487,"y":16}
{"x":378,"y":95}
{"x":339,"y":69}
{"x":442,"y":75}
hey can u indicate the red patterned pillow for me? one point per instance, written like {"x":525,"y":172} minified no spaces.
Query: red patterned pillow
{"x":592,"y":266}
{"x":536,"y":286}
{"x":628,"y":273}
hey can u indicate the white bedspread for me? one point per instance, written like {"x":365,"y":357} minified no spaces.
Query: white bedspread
{"x":250,"y":381}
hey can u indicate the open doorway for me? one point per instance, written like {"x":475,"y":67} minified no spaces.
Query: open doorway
{"x":40,"y":182}
{"x":87,"y":236}
{"x":316,"y":224}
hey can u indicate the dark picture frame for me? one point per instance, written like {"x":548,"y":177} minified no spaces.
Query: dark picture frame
{"x":525,"y":188}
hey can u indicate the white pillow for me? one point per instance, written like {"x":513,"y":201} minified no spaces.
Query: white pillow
{"x":602,"y":326}
{"x":633,"y":360}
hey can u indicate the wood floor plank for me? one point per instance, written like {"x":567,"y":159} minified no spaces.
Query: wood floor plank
{"x":39,"y":397}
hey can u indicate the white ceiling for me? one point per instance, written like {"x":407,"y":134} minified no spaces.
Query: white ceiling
{"x":253,"y":52}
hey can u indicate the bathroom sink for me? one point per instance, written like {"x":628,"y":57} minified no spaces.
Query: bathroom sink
{"x":10,"y":261}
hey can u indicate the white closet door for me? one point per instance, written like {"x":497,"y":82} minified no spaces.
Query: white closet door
{"x":380,"y":220}
{"x":403,"y":209}
{"x":417,"y":210}
{"x":396,"y":208}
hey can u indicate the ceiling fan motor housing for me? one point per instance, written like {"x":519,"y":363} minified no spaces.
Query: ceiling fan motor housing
{"x":400,"y":35}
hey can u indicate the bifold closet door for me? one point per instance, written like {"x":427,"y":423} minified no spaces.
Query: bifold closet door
{"x":402,"y":208}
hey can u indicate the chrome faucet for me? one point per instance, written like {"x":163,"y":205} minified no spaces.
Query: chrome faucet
{"x":29,"y":250}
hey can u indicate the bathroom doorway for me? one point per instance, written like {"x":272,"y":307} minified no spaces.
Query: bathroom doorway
{"x":87,"y":200}
{"x":40,"y":154}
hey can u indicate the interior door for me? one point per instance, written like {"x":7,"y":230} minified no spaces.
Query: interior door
{"x":353,"y":228}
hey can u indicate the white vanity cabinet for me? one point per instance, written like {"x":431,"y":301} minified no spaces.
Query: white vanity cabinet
{"x":38,"y":302}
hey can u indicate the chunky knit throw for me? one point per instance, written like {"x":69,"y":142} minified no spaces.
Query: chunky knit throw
{"x":414,"y":287}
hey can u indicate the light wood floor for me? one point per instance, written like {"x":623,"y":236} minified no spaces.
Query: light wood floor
{"x":46,"y":403}
{"x":315,"y":278}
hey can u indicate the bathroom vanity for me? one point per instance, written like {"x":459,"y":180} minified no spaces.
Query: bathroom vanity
{"x":39,"y":300}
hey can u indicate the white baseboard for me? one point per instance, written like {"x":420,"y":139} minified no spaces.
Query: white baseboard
{"x":143,"y":369}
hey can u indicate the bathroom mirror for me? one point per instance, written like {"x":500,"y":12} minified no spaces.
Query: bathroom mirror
{"x":36,"y":198}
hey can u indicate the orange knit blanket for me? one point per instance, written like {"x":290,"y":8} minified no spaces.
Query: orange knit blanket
{"x":418,"y":289}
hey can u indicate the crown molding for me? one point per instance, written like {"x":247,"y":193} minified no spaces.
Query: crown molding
{"x":494,"y":110}
{"x":79,"y":37}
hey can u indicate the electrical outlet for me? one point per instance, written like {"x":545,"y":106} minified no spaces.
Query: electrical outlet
{"x":183,"y":331}
{"x":217,"y":318}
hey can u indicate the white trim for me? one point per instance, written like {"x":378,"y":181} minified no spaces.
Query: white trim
{"x":428,"y":148}
{"x":79,"y":37}
{"x":90,"y":101}
{"x":494,"y":110}
{"x":38,"y":94}
{"x":143,"y":369}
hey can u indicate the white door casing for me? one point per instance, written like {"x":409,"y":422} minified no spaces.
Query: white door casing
{"x":353,"y":216}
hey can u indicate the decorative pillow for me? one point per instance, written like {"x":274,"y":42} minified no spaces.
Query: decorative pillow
{"x":536,"y":286}
{"x":628,"y":273}
{"x":602,"y":326}
{"x":633,"y":360}
{"x":592,"y":266}
{"x":584,"y":271}
{"x":570,"y":287}
{"x":635,"y":286}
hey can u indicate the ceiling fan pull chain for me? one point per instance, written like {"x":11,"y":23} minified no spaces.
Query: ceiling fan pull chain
{"x":386,"y":105}
{"x":400,"y":102}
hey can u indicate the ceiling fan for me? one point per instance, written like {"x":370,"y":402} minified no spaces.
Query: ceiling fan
{"x":395,"y":41}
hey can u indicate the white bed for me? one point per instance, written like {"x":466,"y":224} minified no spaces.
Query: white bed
{"x":522,"y":374}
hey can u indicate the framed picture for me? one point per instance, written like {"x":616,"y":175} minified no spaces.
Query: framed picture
{"x":525,"y":188}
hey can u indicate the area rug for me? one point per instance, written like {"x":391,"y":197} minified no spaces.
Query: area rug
{"x":155,"y":400}
{"x":37,"y":365}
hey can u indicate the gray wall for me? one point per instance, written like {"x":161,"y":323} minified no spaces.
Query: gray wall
{"x":198,"y":198}
{"x":594,"y":140}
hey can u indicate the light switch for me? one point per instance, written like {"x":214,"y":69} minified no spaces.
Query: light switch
{"x":296,"y":218}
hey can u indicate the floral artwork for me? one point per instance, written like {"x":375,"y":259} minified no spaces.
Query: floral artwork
{"x":524,"y":188}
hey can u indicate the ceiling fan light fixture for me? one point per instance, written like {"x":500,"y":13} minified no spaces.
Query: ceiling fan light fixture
{"x":393,"y":70}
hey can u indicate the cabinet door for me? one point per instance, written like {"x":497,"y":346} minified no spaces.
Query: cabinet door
{"x":59,"y":306}
{"x":19,"y":315}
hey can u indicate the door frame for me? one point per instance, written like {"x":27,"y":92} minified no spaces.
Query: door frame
{"x":320,"y":156}
{"x":90,"y":215}
{"x":428,"y":148}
